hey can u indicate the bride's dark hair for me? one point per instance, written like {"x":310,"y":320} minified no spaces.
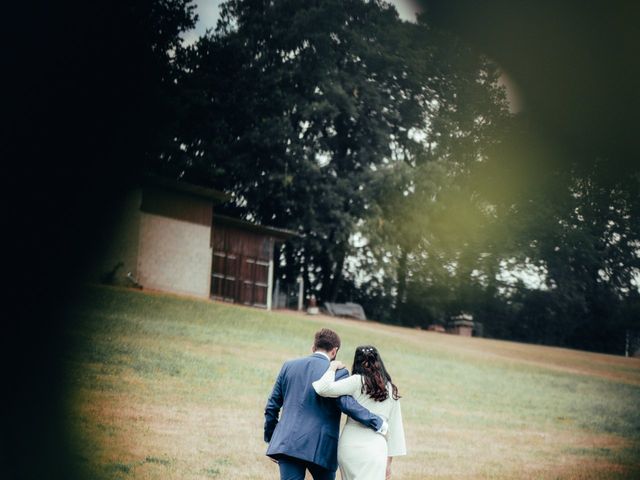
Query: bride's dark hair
{"x":368,"y":363}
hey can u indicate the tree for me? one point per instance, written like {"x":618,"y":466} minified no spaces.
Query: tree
{"x":589,"y":245}
{"x":295,"y":109}
{"x":433,"y":222}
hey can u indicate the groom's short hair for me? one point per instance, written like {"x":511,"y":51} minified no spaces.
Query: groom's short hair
{"x":326,"y":340}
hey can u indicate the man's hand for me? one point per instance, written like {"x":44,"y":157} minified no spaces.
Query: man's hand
{"x":336,"y":365}
{"x":383,"y":429}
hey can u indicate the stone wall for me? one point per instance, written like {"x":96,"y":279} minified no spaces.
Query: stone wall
{"x":175,"y":255}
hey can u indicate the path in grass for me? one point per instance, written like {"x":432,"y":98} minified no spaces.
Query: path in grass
{"x":163,"y":387}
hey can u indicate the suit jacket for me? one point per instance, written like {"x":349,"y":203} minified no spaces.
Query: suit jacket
{"x":309,"y":426}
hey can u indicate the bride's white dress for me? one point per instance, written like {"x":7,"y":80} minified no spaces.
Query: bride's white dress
{"x":362,"y":453}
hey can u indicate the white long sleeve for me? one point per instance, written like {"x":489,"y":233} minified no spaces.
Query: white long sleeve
{"x":327,"y":386}
{"x":395,"y":436}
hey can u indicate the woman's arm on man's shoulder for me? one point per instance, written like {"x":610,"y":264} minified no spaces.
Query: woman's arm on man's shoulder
{"x":329,"y":386}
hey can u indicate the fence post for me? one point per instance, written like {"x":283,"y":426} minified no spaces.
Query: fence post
{"x":300,"y":291}
{"x":277,"y":294}
{"x":270,"y":286}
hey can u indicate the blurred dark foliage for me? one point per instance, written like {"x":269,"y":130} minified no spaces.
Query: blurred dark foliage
{"x":575,"y":65}
{"x":85,"y":96}
{"x":563,"y":180}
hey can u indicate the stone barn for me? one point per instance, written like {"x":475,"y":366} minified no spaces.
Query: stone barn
{"x":167,"y":238}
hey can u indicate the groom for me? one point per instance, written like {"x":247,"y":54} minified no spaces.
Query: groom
{"x":306,"y":435}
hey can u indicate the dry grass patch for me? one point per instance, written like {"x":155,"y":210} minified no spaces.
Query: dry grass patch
{"x":170,"y":388}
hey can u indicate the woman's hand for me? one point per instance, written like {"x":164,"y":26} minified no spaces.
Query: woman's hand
{"x":336,"y":365}
{"x":388,"y":473}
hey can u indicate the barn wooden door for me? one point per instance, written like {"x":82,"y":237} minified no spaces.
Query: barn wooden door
{"x":255,"y":281}
{"x":224,"y":276}
{"x":240,"y":270}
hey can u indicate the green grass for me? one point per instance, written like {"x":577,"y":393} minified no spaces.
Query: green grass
{"x":166,"y":387}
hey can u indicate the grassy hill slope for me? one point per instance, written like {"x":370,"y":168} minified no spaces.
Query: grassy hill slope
{"x":163,"y":387}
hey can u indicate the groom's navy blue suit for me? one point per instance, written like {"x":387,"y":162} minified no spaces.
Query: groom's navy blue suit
{"x":309,"y":426}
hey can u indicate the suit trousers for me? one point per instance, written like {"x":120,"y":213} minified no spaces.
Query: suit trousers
{"x":294,"y":469}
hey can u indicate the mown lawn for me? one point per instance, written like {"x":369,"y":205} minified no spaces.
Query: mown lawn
{"x":163,"y":387}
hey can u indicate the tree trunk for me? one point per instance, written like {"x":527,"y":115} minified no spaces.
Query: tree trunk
{"x":336,"y":282}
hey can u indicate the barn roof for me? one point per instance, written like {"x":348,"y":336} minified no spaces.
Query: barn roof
{"x":216,"y":195}
{"x":275,"y":232}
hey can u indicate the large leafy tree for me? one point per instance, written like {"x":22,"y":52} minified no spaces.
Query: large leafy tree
{"x":434,"y":227}
{"x":296,"y":109}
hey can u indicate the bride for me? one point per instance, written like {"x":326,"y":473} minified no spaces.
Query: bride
{"x":363,"y":454}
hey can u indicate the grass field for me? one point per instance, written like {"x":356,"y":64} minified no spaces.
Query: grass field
{"x":162,"y":387}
